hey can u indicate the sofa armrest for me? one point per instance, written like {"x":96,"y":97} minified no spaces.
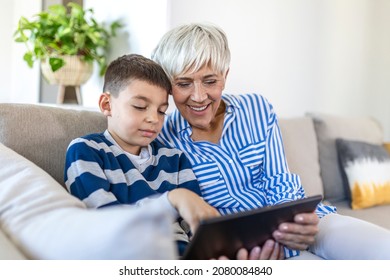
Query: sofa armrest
{"x":8,"y":250}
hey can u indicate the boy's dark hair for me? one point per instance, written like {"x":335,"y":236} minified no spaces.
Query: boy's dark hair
{"x":127,"y":68}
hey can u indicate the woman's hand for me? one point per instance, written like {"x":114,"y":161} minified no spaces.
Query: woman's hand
{"x":300,"y":234}
{"x":191,"y":207}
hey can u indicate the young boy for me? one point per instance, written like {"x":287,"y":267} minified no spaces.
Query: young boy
{"x":123,"y":165}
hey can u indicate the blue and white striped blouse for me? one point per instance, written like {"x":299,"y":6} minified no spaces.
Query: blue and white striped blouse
{"x":247,"y":168}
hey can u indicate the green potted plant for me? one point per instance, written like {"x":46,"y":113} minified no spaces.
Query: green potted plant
{"x":62,"y":33}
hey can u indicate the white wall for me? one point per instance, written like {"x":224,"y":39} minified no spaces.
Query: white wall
{"x":19,"y":82}
{"x":5,"y":30}
{"x":328,"y":56}
{"x":378,"y":93}
{"x":145,"y":22}
{"x":305,"y":55}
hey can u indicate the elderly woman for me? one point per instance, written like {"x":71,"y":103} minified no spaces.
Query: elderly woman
{"x":235,"y":146}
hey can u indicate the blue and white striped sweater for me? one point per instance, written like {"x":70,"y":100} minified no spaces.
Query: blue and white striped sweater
{"x":248,"y":168}
{"x":100,"y":173}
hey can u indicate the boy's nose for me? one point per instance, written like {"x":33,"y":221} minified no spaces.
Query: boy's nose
{"x":152,"y":117}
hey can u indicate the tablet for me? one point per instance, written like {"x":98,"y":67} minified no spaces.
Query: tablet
{"x":225,"y":235}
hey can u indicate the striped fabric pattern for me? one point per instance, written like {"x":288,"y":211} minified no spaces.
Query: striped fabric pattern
{"x":248,"y":168}
{"x":100,"y":173}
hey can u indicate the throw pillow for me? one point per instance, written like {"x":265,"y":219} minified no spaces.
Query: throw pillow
{"x":328,"y":128}
{"x":386,"y":145}
{"x":367,"y":169}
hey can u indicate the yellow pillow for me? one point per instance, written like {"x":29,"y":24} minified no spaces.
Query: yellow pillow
{"x":386,"y":145}
{"x":367,"y":169}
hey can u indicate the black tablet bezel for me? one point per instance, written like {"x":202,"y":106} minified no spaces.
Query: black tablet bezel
{"x":223,"y":236}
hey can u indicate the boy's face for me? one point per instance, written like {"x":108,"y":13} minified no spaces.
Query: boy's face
{"x":136,"y":116}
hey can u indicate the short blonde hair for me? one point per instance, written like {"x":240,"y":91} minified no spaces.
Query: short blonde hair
{"x":192,"y":46}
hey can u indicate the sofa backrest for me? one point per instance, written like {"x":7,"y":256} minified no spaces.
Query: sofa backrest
{"x":310,"y":146}
{"x":42,"y":133}
{"x":300,"y":143}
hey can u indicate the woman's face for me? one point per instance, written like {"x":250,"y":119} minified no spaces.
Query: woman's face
{"x":198,"y":95}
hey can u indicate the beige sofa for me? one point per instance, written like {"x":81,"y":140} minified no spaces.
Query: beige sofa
{"x":311,"y":152}
{"x":42,"y":133}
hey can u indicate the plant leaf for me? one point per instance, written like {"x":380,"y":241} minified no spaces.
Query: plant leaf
{"x":28,"y":57}
{"x":62,"y":31}
{"x":56,"y":63}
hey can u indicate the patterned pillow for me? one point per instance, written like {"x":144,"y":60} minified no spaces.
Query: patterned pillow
{"x":367,"y":168}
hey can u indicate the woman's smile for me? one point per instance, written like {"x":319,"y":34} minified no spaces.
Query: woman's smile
{"x":198,"y":108}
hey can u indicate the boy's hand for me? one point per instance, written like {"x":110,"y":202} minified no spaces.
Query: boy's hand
{"x":270,"y":250}
{"x":300,"y":234}
{"x":191,"y":207}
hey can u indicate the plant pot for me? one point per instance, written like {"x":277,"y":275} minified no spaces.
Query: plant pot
{"x":75,"y":72}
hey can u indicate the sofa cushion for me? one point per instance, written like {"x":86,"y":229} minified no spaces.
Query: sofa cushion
{"x":45,"y":222}
{"x":378,"y":215}
{"x":42,"y":133}
{"x":367,"y":169}
{"x":301,"y":152}
{"x":330,"y":127}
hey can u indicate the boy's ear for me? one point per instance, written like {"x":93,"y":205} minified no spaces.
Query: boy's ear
{"x":105,"y":104}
